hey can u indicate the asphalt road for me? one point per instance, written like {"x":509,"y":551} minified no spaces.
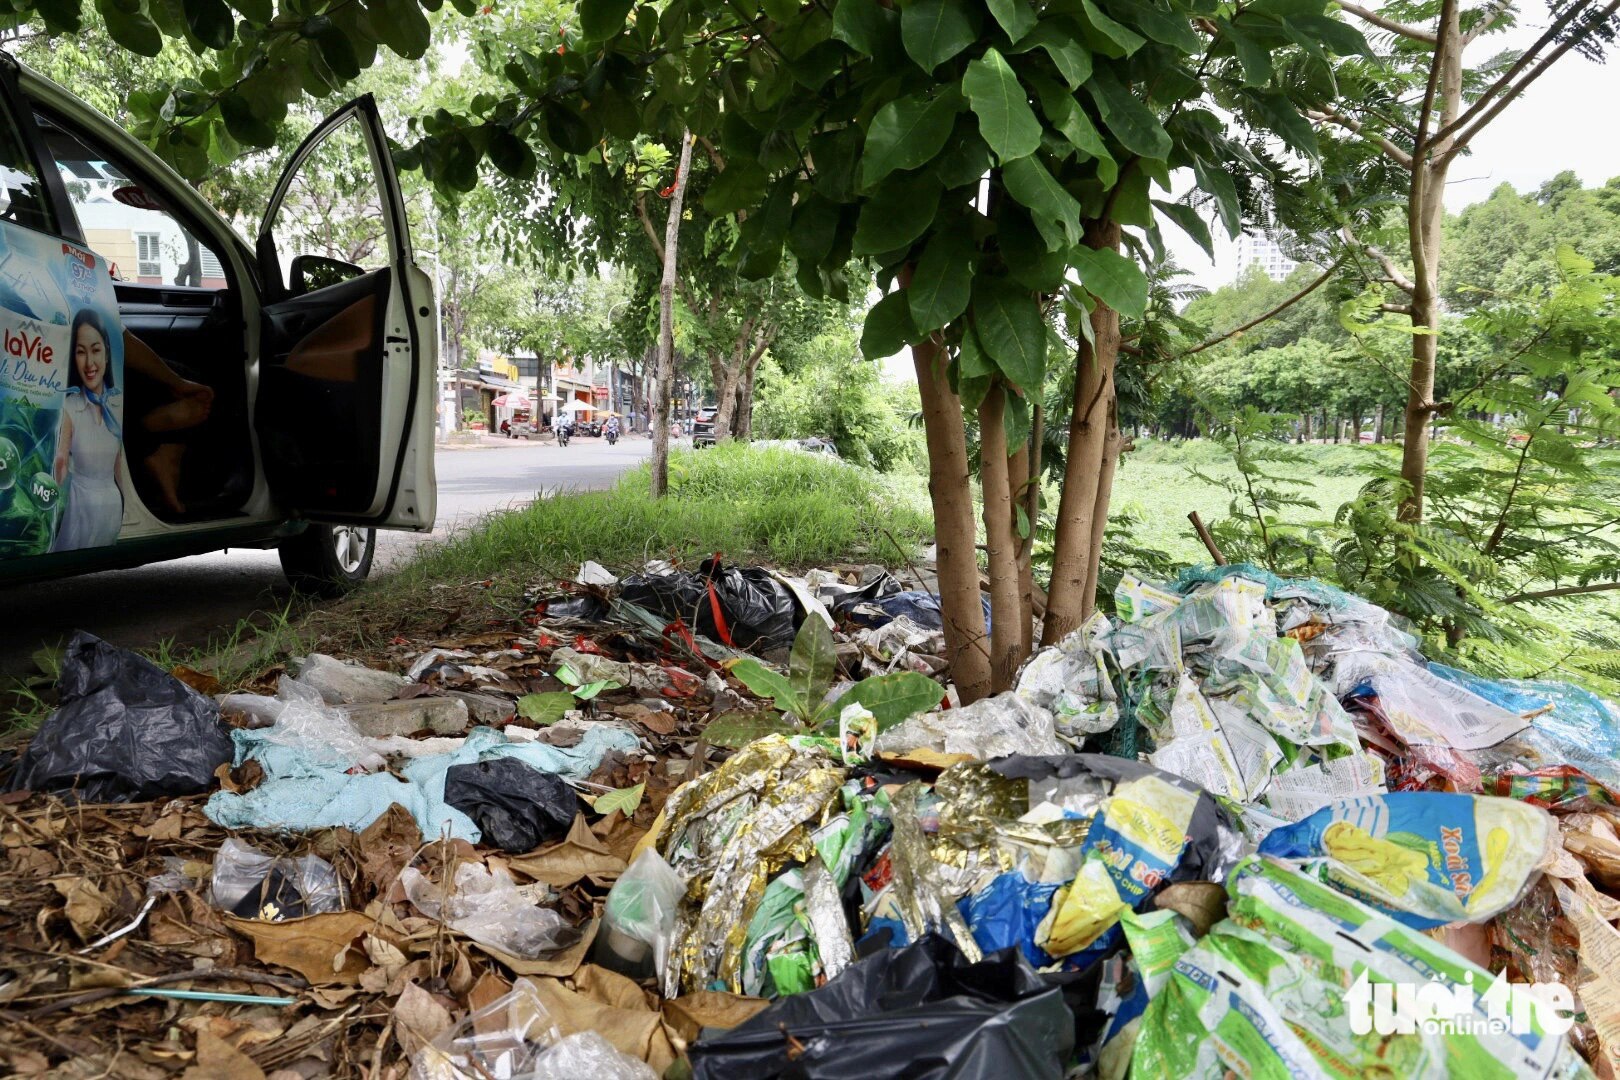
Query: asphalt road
{"x":201,"y":599}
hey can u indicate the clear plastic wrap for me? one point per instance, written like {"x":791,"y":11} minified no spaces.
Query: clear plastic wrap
{"x":991,"y":727}
{"x":502,"y":1041}
{"x":638,"y":920}
{"x":585,"y":1055}
{"x":486,"y":906}
{"x":249,"y":883}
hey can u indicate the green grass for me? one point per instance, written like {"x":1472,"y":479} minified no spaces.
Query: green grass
{"x":789,"y":510}
{"x":1155,"y":483}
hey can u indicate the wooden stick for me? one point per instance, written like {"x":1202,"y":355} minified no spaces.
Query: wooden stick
{"x":1209,"y":541}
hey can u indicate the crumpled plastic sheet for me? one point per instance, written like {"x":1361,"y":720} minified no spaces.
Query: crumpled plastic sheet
{"x":1421,"y":707}
{"x":925,"y":903}
{"x":125,"y":730}
{"x":254,"y":885}
{"x":488,"y":907}
{"x":585,"y":1055}
{"x":300,"y":793}
{"x":1070,"y":680}
{"x":991,"y":727}
{"x":825,"y":909}
{"x":504,"y":1040}
{"x":732,"y":830}
{"x":926,"y":1012}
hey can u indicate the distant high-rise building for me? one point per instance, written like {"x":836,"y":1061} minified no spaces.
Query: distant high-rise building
{"x":1264,"y":252}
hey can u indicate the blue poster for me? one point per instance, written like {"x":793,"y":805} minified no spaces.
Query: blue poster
{"x":61,"y":397}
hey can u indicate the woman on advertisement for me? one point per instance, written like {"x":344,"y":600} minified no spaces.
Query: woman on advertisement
{"x":89,"y":443}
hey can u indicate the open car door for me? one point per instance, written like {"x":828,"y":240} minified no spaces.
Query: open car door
{"x":347,"y":357}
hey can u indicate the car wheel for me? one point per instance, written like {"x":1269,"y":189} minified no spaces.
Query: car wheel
{"x":328,"y":560}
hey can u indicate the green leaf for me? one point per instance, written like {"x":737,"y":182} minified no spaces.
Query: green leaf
{"x":1216,"y":181}
{"x":590,"y":690}
{"x":1255,"y":57}
{"x":970,"y":359}
{"x":966,"y":158}
{"x":64,"y":17}
{"x":1284,"y":119}
{"x":907,"y":134}
{"x":1127,"y":39}
{"x":888,"y":327}
{"x":1058,"y":38}
{"x":812,"y":661}
{"x":545,"y":708}
{"x":740,"y":186}
{"x":257,"y":12}
{"x":1113,"y":279}
{"x":768,"y":684}
{"x":1069,"y":118}
{"x":243,"y":124}
{"x":1016,"y":423}
{"x":1133,"y":123}
{"x":130,"y":27}
{"x":943,"y":283}
{"x":1029,"y":261}
{"x":1015,"y":16}
{"x":936,"y":30}
{"x":1056,"y":213}
{"x":1011,"y":331}
{"x":512,"y":156}
{"x":1006,"y":121}
{"x":1190,"y":221}
{"x":862,"y":25}
{"x":404,"y":28}
{"x":735,"y":730}
{"x":814,"y":230}
{"x":898,"y":214}
{"x":338,"y":52}
{"x":602,"y":19}
{"x":570,"y":131}
{"x":624,"y":800}
{"x":892,"y":698}
{"x":1165,"y":26}
{"x":210,"y":22}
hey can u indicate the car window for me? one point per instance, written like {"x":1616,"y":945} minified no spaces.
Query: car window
{"x":333,"y":206}
{"x":22,"y":196}
{"x":126,"y":222}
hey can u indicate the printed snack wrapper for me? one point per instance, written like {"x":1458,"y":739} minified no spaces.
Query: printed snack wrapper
{"x":1427,"y":858}
{"x":1271,"y":992}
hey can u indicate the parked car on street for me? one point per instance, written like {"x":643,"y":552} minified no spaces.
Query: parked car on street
{"x":703,"y":427}
{"x":305,"y":383}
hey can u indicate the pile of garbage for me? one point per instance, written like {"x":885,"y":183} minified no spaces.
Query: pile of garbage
{"x":728,"y":823}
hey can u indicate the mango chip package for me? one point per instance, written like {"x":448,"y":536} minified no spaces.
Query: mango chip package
{"x":1426,"y":857}
{"x":1291,"y":984}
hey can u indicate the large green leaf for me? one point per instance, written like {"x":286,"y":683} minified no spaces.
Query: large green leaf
{"x":740,"y":186}
{"x":1029,"y":261}
{"x":624,"y":800}
{"x":896,"y":215}
{"x":1058,"y":37}
{"x":545,"y":708}
{"x":602,"y":19}
{"x":767,"y":683}
{"x":1011,"y":331}
{"x":258,"y":12}
{"x":1006,"y":121}
{"x":404,"y":28}
{"x":1122,"y":36}
{"x":512,"y":155}
{"x":1067,"y":116}
{"x":1113,"y":279}
{"x":735,"y":730}
{"x":1190,"y":221}
{"x":888,"y":327}
{"x":892,"y":698}
{"x":861,"y":24}
{"x":971,"y":362}
{"x":812,"y":661}
{"x":129,"y":26}
{"x":210,"y":22}
{"x":1056,"y":212}
{"x":1255,"y":57}
{"x":1133,"y":123}
{"x":1162,"y":24}
{"x":936,"y":30}
{"x":907,"y":134}
{"x":1015,"y":16}
{"x":943,"y":283}
{"x":815,"y":228}
{"x":1217,"y":182}
{"x":1282,"y":117}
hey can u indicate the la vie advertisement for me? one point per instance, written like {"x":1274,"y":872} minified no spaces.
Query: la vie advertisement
{"x":61,"y":397}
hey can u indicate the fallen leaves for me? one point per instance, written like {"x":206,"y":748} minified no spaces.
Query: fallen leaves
{"x":419,"y":1018}
{"x":581,"y":854}
{"x":85,"y":904}
{"x":318,"y":947}
{"x":219,"y":1060}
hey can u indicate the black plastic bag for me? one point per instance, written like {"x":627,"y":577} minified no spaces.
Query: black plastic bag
{"x":126,"y":730}
{"x":516,"y":806}
{"x":923,"y":1012}
{"x":748,"y":609}
{"x":920,"y":607}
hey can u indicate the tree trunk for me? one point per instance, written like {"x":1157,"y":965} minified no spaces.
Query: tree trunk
{"x":1000,"y":541}
{"x":725,"y":389}
{"x":954,"y":532}
{"x":1113,"y":443}
{"x":664,"y":381}
{"x":1018,"y":474}
{"x":744,"y":423}
{"x":1073,"y":553}
{"x":1378,"y":423}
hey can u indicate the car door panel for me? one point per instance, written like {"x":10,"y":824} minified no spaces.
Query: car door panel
{"x":342,"y":405}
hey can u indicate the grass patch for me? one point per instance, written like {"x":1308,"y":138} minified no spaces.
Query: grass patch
{"x":787,"y":509}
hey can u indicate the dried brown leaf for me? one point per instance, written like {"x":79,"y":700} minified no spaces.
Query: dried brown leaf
{"x":85,"y":905}
{"x":319,"y":947}
{"x":580,"y":854}
{"x":419,"y":1018}
{"x":219,"y":1060}
{"x":690,"y":1013}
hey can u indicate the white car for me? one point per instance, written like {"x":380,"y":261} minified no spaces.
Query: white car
{"x":167,"y":390}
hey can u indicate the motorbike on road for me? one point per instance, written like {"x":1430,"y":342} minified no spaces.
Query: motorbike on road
{"x":562,"y":436}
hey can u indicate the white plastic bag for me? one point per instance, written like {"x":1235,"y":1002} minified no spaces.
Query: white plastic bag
{"x":489,"y":908}
{"x":240,"y":870}
{"x":638,"y":920}
{"x":585,"y":1055}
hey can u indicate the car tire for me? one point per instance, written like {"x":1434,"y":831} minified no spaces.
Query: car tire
{"x":328,"y":560}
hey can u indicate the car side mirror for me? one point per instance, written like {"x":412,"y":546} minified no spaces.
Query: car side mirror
{"x":311,"y":272}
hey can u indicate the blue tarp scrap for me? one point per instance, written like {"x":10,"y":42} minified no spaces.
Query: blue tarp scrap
{"x":299,"y":794}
